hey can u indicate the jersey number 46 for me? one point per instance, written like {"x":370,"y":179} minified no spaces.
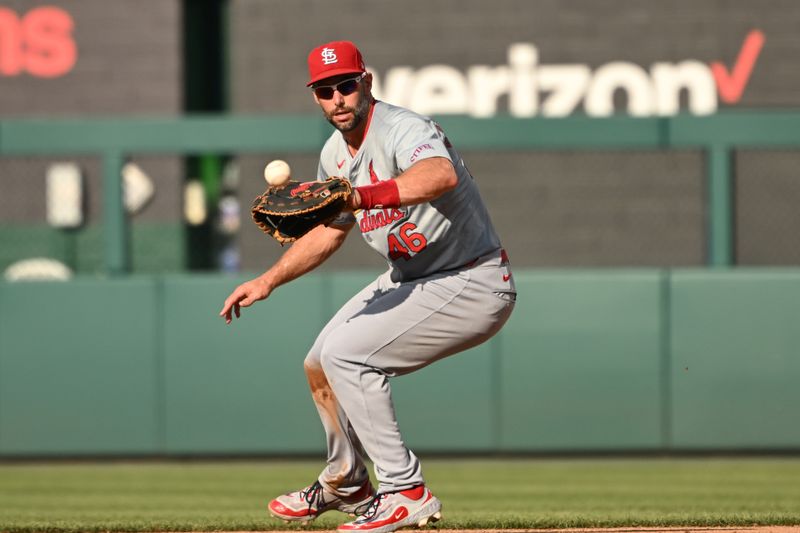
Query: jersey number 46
{"x":406,"y":242}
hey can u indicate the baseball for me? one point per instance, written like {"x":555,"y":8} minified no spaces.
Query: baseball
{"x":277,"y":172}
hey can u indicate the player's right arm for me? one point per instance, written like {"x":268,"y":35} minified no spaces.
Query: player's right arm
{"x":307,"y":253}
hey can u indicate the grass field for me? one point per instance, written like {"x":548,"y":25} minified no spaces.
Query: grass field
{"x":544,"y":493}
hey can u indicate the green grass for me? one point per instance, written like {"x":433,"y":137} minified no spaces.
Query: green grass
{"x":475,"y":494}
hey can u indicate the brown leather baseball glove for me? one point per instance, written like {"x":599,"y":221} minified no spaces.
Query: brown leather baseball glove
{"x":288,"y":212}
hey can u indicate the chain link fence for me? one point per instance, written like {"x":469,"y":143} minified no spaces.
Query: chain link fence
{"x":552,"y":209}
{"x":767,"y":206}
{"x":51,"y":215}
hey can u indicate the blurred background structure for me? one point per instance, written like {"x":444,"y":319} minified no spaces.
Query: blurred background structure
{"x":639,"y":159}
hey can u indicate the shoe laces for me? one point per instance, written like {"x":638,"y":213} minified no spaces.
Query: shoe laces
{"x":313,"y":495}
{"x":368,"y":510}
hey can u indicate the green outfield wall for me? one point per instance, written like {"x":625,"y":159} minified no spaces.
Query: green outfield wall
{"x":615,"y":360}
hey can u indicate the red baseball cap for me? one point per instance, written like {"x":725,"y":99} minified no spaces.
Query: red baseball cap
{"x":333,"y":59}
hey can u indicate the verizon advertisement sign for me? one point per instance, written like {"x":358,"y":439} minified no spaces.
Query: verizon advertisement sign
{"x":532,"y":86}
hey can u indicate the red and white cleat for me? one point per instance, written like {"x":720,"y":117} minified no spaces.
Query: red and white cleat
{"x":415,"y":507}
{"x":308,"y":503}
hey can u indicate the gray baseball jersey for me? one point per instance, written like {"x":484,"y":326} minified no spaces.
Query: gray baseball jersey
{"x":417,"y":240}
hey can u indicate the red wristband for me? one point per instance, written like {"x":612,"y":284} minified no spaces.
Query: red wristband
{"x":382,"y":194}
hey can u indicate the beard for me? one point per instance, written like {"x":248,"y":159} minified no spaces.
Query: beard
{"x":360,"y":113}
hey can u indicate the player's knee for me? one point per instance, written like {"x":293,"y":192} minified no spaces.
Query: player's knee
{"x":317,"y":379}
{"x":311,"y":367}
{"x":312,"y":360}
{"x":335,"y":354}
{"x":329,"y":360}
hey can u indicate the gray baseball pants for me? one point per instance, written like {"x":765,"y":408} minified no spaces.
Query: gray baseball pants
{"x":389,"y":329}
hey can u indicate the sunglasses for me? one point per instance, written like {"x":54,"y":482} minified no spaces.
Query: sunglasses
{"x":325,"y":92}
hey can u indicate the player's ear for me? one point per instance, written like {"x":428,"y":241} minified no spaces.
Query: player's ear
{"x":368,"y":82}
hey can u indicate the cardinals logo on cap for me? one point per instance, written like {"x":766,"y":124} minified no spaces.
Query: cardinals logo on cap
{"x":329,"y":56}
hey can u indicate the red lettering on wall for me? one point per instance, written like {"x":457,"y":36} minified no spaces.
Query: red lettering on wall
{"x":41,"y":43}
{"x":10,"y":39}
{"x":48,"y":35}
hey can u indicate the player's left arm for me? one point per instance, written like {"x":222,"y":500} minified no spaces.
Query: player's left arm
{"x":426,"y":180}
{"x":423,"y":182}
{"x":422,"y":154}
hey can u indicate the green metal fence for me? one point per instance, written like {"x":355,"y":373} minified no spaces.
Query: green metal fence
{"x":113,"y":139}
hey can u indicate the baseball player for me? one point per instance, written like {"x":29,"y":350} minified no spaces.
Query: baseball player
{"x":448,"y":288}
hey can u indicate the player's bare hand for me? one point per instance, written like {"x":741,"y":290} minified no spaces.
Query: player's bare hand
{"x":244,"y":295}
{"x":354,"y":201}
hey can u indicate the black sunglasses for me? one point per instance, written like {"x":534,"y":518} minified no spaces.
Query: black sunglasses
{"x":325,"y":92}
